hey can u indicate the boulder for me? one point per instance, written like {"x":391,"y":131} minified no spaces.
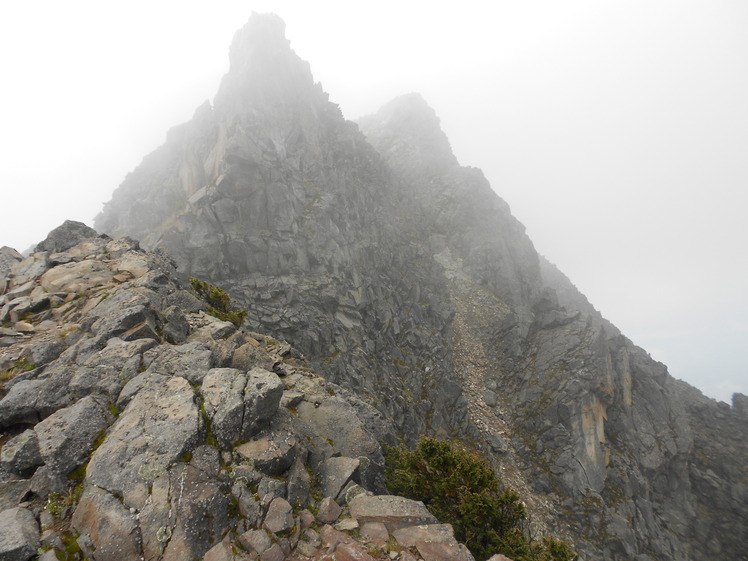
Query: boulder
{"x":19,"y":535}
{"x":13,"y":491}
{"x":257,"y":540}
{"x":186,"y":514}
{"x":238,"y":404}
{"x":31,"y":400}
{"x":76,"y":277}
{"x":106,"y":526}
{"x":159,"y":425}
{"x":352,"y":552}
{"x":176,"y":327}
{"x":127,"y":314}
{"x":67,"y":436}
{"x":8,"y":258}
{"x":411,"y":535}
{"x":279,"y":517}
{"x":191,"y":361}
{"x":490,"y":398}
{"x":21,"y":453}
{"x":249,"y":356}
{"x":271,"y":454}
{"x":444,"y":551}
{"x":393,"y":511}
{"x":299,"y":482}
{"x":335,"y":472}
{"x":325,"y":416}
{"x":273,"y":553}
{"x":375,"y":532}
{"x":70,"y":233}
{"x":329,"y":511}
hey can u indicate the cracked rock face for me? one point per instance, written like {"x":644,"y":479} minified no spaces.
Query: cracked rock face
{"x":239,"y":403}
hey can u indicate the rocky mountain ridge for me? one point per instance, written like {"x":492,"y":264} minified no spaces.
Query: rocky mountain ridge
{"x":137,"y":426}
{"x":404,"y":278}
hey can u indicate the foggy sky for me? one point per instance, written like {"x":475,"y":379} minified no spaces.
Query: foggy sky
{"x":616,"y":131}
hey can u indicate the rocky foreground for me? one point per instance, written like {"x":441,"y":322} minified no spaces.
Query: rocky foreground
{"x":137,"y":426}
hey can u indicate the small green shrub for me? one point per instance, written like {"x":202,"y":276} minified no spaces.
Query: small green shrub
{"x":219,"y":302}
{"x":461,"y":488}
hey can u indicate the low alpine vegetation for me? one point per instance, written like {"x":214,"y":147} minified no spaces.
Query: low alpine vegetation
{"x":219,"y":302}
{"x":461,"y":488}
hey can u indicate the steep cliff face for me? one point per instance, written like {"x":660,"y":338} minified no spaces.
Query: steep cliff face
{"x":406,"y":279}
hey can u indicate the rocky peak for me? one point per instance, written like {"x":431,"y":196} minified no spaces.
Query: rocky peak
{"x":408,"y":131}
{"x":263,"y":68}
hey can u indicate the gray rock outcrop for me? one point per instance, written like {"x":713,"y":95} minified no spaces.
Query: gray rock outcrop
{"x":143,"y":448}
{"x":65,"y":236}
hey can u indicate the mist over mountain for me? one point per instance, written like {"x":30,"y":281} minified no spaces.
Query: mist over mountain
{"x":405,"y":278}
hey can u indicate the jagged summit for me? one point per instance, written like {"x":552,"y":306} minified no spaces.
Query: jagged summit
{"x":409,"y":129}
{"x":263,"y":68}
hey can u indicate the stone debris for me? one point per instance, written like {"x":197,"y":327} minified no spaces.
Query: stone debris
{"x":19,"y":535}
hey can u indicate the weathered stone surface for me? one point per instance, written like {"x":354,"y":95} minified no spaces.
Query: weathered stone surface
{"x":159,"y":425}
{"x":411,"y":535}
{"x":490,"y":398}
{"x":191,"y":361}
{"x":352,"y":552}
{"x":279,"y":517}
{"x":375,"y":532}
{"x":13,"y":491}
{"x":334,"y":473}
{"x":347,"y":525}
{"x":65,"y":236}
{"x":21,"y":453}
{"x":222,"y":551}
{"x":257,"y":540}
{"x":249,"y":505}
{"x":331,"y":537}
{"x":262,"y":394}
{"x":273,"y":553}
{"x":104,"y":522}
{"x":392,"y":511}
{"x":176,"y":326}
{"x":19,"y":535}
{"x":109,"y":369}
{"x":76,"y":277}
{"x":329,"y":511}
{"x":299,"y":482}
{"x":31,"y":400}
{"x":444,"y":551}
{"x":188,"y":513}
{"x":138,"y":383}
{"x":238,"y":404}
{"x":272,"y":454}
{"x":67,"y":436}
{"x":249,"y":356}
{"x":128,"y":314}
{"x":29,"y":269}
{"x":8,"y":257}
{"x":326,"y":416}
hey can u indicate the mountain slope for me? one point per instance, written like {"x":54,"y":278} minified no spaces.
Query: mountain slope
{"x":406,"y":279}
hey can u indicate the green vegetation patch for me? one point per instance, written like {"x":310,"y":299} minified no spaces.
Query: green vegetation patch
{"x":219,"y":302}
{"x":462,"y":489}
